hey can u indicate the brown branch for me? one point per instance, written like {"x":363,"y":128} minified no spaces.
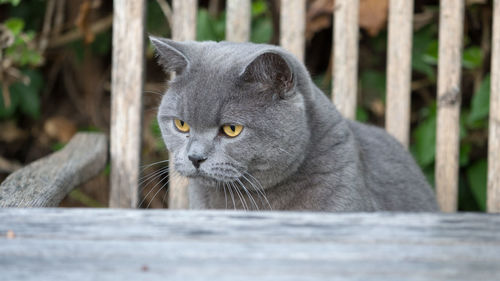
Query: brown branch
{"x":167,"y":11}
{"x":49,"y":14}
{"x":75,"y":34}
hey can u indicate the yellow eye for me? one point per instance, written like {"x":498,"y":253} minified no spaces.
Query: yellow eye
{"x":181,"y":125}
{"x":232,"y":130}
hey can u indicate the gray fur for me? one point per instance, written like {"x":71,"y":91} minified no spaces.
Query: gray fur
{"x":295,"y":146}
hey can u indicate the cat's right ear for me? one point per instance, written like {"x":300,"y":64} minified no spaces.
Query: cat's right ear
{"x":169,"y":54}
{"x":271,"y":72}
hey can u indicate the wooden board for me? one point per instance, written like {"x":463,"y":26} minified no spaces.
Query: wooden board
{"x":106,"y":244}
{"x":397,"y":117}
{"x":127,"y":83}
{"x":184,"y":28}
{"x":45,"y":182}
{"x":448,"y":101}
{"x":345,"y":56}
{"x":292,"y":26}
{"x":494,"y":122}
{"x":238,"y":16}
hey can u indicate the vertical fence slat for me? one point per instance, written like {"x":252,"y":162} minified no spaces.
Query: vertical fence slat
{"x":292,"y":26}
{"x":184,"y":28}
{"x":494,"y":121}
{"x":449,"y":98}
{"x":126,"y":101}
{"x":397,"y":117}
{"x":238,"y":20}
{"x":345,"y":56}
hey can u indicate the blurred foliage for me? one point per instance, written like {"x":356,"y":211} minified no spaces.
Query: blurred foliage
{"x":13,"y":2}
{"x":24,"y":98}
{"x":213,"y":27}
{"x":22,"y":82}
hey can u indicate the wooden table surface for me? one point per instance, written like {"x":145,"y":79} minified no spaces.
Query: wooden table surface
{"x":110,"y":244}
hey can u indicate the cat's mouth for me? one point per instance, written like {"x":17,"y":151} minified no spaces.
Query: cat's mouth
{"x":212,"y":178}
{"x":212,"y":174}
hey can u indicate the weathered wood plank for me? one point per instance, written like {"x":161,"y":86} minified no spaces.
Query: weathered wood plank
{"x":126,"y":101}
{"x":292,"y":27}
{"x":494,"y":121}
{"x":184,"y":19}
{"x":345,"y":56}
{"x":238,"y":18}
{"x":216,"y":245}
{"x":45,"y":182}
{"x":397,"y":117}
{"x":449,"y":99}
{"x":184,"y":29}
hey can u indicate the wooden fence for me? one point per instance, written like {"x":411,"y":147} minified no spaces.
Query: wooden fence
{"x":128,"y":77}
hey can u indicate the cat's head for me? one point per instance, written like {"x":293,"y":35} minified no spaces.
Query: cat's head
{"x":233,"y":112}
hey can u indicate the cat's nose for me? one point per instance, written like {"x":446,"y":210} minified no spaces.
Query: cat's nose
{"x":196,"y":160}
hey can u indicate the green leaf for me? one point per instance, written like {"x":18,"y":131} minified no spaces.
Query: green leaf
{"x":361,"y":114}
{"x":419,"y":65}
{"x":32,"y":12}
{"x":57,"y":146}
{"x":156,"y":22}
{"x":13,"y":2}
{"x":424,"y":52}
{"x":15,"y":25}
{"x":472,"y":57}
{"x":28,"y":95}
{"x":465,"y":149}
{"x":429,"y":173}
{"x":476,"y":178}
{"x":480,"y":104}
{"x":209,"y":27}
{"x":79,"y":50}
{"x":90,"y":128}
{"x":373,"y":82}
{"x":259,"y":7}
{"x":102,"y":44}
{"x":424,"y":147}
{"x":431,"y":54}
{"x":262,"y":30}
{"x":466,"y":200}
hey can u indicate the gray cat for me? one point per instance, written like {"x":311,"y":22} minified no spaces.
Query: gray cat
{"x":248,"y":127}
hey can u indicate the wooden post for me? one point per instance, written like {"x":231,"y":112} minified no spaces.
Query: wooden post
{"x":345,"y":56}
{"x":449,"y":98}
{"x":238,"y":14}
{"x":126,"y":101}
{"x":397,"y":117}
{"x":292,"y":27}
{"x":494,"y":122}
{"x":184,"y":13}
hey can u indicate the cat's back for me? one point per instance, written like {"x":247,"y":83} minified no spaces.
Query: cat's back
{"x":390,"y":172}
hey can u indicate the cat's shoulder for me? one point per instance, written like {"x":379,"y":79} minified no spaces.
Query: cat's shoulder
{"x":375,"y":139}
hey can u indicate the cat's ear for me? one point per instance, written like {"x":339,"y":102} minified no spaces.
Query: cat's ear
{"x":169,"y":54}
{"x":272,"y":72}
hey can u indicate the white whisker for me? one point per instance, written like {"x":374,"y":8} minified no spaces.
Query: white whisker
{"x":260,"y":190}
{"x":231,"y":193}
{"x":250,"y":197}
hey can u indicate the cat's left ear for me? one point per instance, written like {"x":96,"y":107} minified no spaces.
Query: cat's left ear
{"x":169,"y":54}
{"x":272,"y":71}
